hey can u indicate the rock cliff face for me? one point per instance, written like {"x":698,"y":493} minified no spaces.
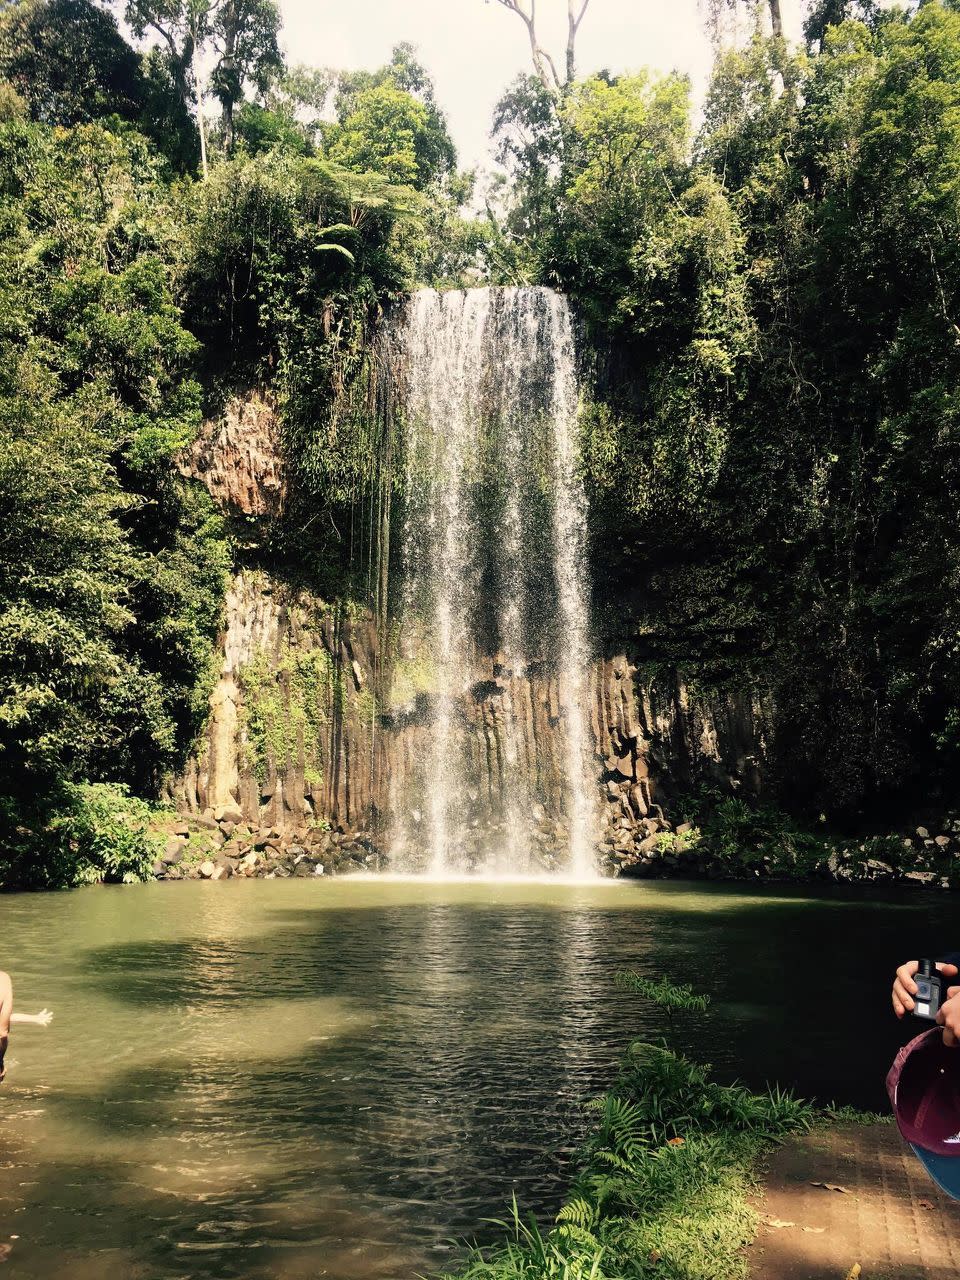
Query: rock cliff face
{"x":656,"y":737}
{"x":313,"y":718}
{"x":302,"y":727}
{"x":237,"y":457}
{"x":292,"y":733}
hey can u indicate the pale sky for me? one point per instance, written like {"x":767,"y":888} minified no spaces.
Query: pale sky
{"x":474,"y":48}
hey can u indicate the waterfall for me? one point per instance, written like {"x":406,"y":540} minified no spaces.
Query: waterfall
{"x":494,"y":611}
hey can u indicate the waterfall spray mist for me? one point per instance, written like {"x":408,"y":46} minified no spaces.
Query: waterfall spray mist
{"x":495,"y":574}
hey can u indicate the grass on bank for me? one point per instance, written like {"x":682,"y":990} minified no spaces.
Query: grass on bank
{"x":666,"y":1177}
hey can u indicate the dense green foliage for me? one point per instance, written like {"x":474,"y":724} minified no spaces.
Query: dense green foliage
{"x":767,"y":310}
{"x":106,"y":835}
{"x":239,"y":38}
{"x":112,"y":571}
{"x":665,"y":1177}
{"x":133,"y":302}
{"x":70,"y":65}
{"x":773,"y":445}
{"x":95,"y":832}
{"x":388,"y":123}
{"x":729,"y":837}
{"x":293,"y":255}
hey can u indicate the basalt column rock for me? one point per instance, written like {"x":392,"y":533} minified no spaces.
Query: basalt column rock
{"x":487,"y":730}
{"x":657,"y":739}
{"x":652,"y":739}
{"x":299,"y":735}
{"x":292,"y":735}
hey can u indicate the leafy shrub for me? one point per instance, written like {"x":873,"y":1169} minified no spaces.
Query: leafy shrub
{"x":663,"y":1191}
{"x":108,"y":833}
{"x":673,"y":842}
{"x":112,"y":573}
{"x":96,"y":832}
{"x":748,"y":838}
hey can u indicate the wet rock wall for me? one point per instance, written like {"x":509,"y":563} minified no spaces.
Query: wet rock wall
{"x":302,"y":727}
{"x":314,"y":720}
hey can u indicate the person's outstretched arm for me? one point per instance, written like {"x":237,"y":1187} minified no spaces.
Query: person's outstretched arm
{"x":41,"y":1019}
{"x":6,"y":1004}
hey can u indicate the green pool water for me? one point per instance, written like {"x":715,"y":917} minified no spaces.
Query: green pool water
{"x":295,"y":1079}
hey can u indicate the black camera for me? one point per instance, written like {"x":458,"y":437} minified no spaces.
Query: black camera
{"x":929,"y":991}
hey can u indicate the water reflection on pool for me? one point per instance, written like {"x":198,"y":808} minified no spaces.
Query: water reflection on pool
{"x":293,"y":1079}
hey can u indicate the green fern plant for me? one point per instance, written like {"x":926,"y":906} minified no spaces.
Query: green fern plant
{"x":579,"y":1212}
{"x":663,"y":1189}
{"x":672,"y":997}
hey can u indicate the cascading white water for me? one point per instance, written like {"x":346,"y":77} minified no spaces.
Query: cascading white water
{"x":570,"y":568}
{"x":494,"y":565}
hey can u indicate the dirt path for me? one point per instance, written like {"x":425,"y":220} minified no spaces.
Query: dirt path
{"x":890,"y":1218}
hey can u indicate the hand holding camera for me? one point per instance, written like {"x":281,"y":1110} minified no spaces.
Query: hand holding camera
{"x":905,"y":987}
{"x":922,"y":988}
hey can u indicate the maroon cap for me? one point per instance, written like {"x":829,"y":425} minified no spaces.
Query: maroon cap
{"x":924,"y":1089}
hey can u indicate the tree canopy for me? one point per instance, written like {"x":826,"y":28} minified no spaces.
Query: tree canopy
{"x":766,"y":301}
{"x":389,"y":123}
{"x":68,"y":62}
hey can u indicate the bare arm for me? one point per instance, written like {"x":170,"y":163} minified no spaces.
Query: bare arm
{"x":41,"y":1019}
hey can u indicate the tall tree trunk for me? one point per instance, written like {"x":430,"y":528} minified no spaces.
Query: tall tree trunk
{"x":226,"y":83}
{"x":776,"y":18}
{"x":575,"y":11}
{"x":543,"y":63}
{"x":201,"y":123}
{"x":229,"y":128}
{"x":179,"y":61}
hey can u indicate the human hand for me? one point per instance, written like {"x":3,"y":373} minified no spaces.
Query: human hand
{"x":44,"y":1017}
{"x":904,"y":987}
{"x":949,"y":1016}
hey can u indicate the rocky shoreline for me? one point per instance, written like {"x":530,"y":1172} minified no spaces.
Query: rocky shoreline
{"x":684,"y":851}
{"x":219,"y":845}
